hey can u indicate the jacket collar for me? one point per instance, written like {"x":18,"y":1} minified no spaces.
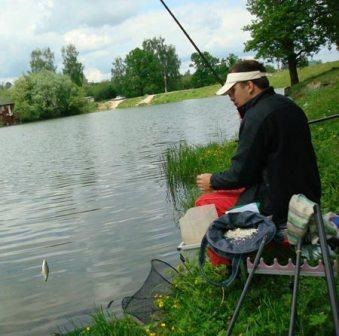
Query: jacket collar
{"x":265,"y":93}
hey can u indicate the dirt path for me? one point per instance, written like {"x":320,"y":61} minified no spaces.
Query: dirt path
{"x":109,"y":105}
{"x":115,"y":103}
{"x":147,"y":100}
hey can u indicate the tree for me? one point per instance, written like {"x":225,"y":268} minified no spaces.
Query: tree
{"x":185,"y":81}
{"x":225,"y":64}
{"x":42,"y":59}
{"x":100,"y":91}
{"x":203,"y":75}
{"x":5,"y":93}
{"x":232,"y":59}
{"x":167,"y":58}
{"x":45,"y":95}
{"x":72,"y":67}
{"x":118,"y":78}
{"x":142,"y":69}
{"x":270,"y":68}
{"x":288,"y":30}
{"x":332,"y":20}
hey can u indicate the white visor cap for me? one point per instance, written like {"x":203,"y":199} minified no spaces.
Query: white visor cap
{"x":235,"y":77}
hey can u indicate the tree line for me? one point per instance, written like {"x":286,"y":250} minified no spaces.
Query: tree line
{"x":154,"y":68}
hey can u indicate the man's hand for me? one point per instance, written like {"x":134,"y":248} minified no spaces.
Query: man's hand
{"x":204,"y":182}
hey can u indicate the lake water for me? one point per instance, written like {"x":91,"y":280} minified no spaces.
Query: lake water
{"x":88,"y":194}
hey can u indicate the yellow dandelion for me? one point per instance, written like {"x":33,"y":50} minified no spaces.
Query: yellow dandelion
{"x":163,"y":324}
{"x":88,"y":328}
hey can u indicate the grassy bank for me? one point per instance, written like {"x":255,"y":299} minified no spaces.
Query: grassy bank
{"x":199,"y":309}
{"x":278,"y":79}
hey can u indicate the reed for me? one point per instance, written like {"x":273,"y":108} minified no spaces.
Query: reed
{"x":183,"y":163}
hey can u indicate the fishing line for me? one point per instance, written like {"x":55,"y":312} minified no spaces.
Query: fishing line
{"x":194,"y":45}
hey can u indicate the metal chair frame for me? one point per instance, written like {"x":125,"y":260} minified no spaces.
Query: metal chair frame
{"x":323,"y":269}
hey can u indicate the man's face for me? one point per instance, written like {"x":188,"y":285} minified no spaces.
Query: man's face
{"x":240,"y":93}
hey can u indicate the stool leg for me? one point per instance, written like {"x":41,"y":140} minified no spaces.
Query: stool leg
{"x":246,"y":286}
{"x":328,"y":268}
{"x":291,"y":331}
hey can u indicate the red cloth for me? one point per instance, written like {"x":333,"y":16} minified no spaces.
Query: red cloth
{"x":223,"y":200}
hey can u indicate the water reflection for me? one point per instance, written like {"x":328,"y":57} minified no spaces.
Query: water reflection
{"x":87,"y":194}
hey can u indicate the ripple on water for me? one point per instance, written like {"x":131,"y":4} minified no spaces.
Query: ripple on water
{"x":87,"y":194}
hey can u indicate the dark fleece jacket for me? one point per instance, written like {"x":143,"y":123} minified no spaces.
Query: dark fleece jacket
{"x":275,"y":157}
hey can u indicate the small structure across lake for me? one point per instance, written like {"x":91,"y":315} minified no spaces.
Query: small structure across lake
{"x":7,"y":113}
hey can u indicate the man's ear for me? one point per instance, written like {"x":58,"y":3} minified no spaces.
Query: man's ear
{"x":251,"y":87}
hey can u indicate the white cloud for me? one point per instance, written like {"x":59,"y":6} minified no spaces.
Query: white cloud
{"x":66,"y":15}
{"x":86,"y":39}
{"x":95,"y":75}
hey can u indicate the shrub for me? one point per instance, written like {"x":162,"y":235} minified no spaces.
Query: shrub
{"x":45,"y":95}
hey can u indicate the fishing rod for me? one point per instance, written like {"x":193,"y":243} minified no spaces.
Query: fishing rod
{"x":194,"y":45}
{"x":334,"y":116}
{"x":212,"y":69}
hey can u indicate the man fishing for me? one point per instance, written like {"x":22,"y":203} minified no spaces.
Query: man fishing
{"x":275,"y":158}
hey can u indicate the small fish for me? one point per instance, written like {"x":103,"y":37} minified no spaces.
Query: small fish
{"x":45,"y":269}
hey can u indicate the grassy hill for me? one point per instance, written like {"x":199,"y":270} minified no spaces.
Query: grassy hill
{"x":278,"y":79}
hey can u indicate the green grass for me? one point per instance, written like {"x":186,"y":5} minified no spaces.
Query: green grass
{"x":281,"y":79}
{"x":199,"y":309}
{"x":317,"y":103}
{"x":176,"y":96}
{"x":104,"y":324}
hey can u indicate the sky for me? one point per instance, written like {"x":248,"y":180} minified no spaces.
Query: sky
{"x":103,"y":30}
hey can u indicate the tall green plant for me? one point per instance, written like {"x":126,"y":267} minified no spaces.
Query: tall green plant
{"x":183,"y":163}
